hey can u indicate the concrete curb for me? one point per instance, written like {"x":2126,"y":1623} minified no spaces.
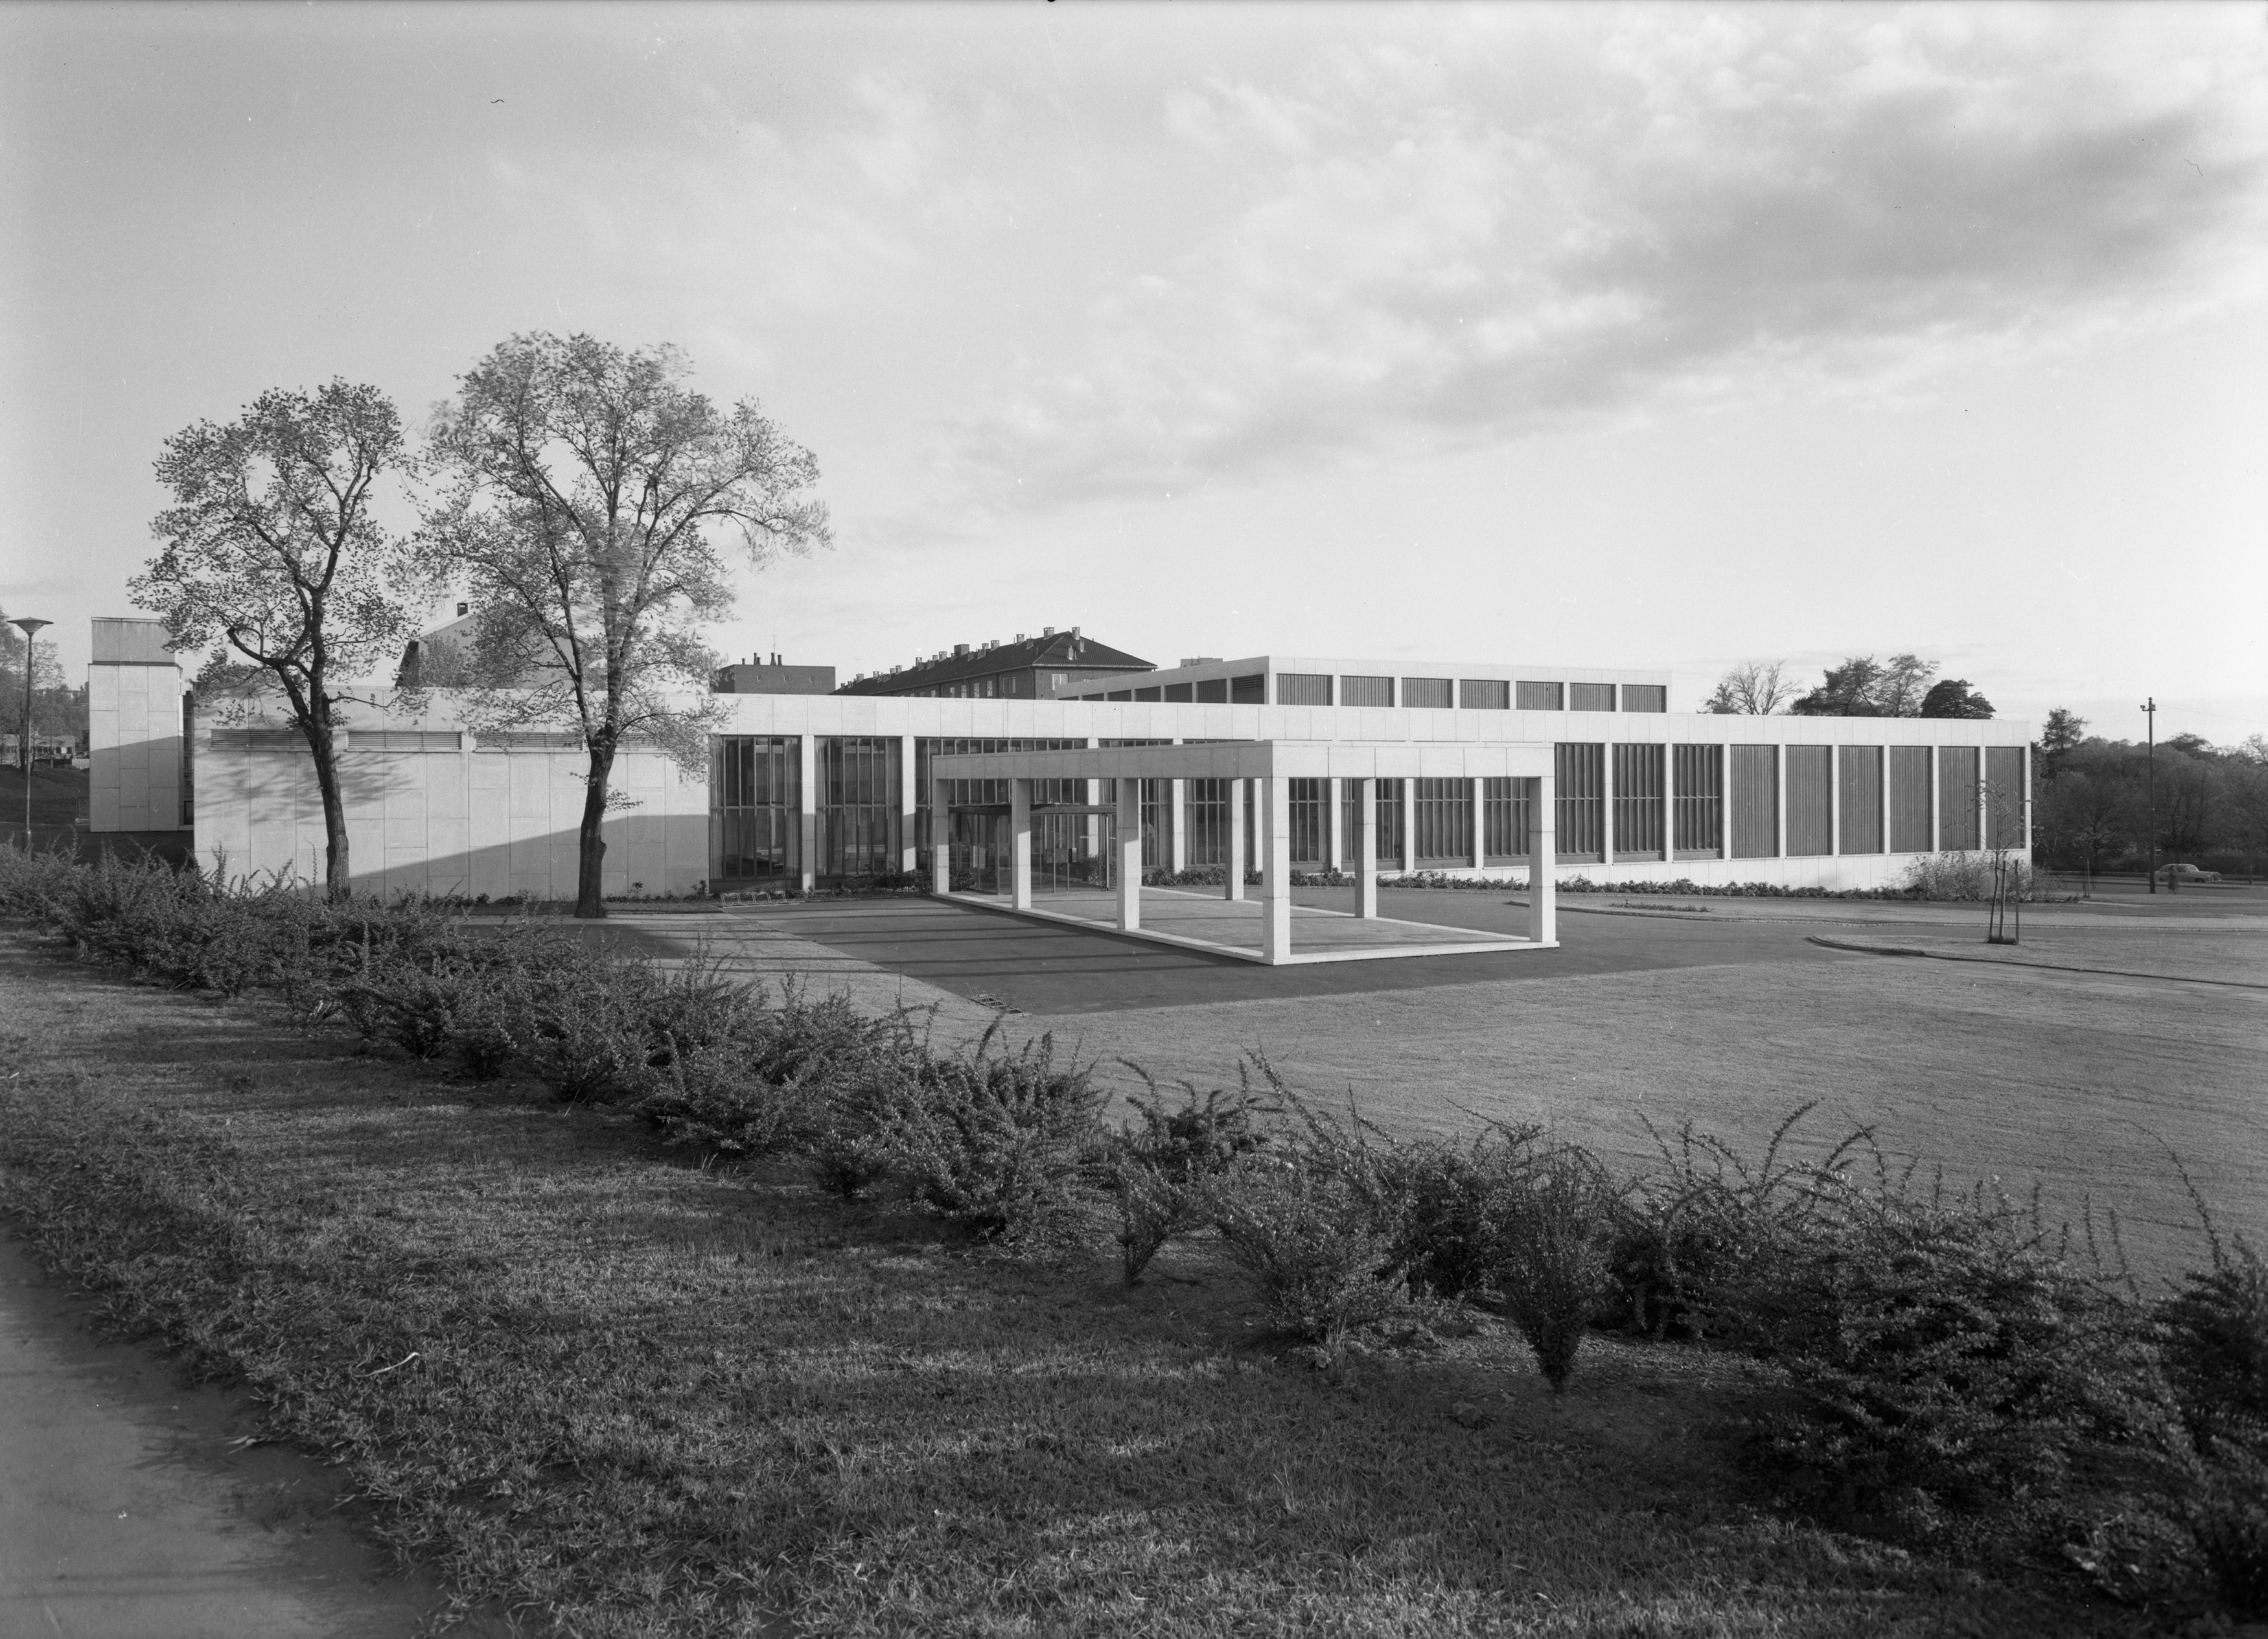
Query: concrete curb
{"x":1997,"y":961}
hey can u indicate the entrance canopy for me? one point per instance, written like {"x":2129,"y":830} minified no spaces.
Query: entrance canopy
{"x":1262,"y":933}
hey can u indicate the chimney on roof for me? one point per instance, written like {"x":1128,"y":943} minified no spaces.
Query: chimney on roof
{"x":1075,"y":633}
{"x":1047,"y":631}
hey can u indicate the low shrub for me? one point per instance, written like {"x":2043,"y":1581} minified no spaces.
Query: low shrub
{"x":1965,"y":877}
{"x":1159,"y":1167}
{"x":994,"y":1140}
{"x":1942,"y":1353}
{"x":1453,"y":1230}
{"x":2214,"y":1344}
{"x":1318,"y":1221}
{"x":1554,"y":1228}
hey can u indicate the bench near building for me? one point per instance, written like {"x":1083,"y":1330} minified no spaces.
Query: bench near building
{"x":804,"y":789}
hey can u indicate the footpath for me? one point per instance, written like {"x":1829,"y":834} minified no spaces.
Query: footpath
{"x":134,"y":1506}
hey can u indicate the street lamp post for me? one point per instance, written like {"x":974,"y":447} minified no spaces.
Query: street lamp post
{"x":31,"y":629}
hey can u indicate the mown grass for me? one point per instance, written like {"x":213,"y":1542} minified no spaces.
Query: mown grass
{"x":627,"y":1395}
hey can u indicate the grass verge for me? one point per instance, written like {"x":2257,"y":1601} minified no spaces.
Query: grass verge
{"x":626,"y":1395}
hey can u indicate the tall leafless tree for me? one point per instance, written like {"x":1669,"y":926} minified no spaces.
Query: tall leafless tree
{"x":272,"y":554}
{"x":581,"y":485}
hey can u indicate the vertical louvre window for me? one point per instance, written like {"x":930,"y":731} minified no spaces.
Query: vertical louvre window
{"x":1956,"y":797}
{"x":1484,"y":694}
{"x":1303,"y":688}
{"x":1581,"y":821}
{"x":1860,"y":809}
{"x":1638,"y":802}
{"x":858,"y":783}
{"x":1754,"y":774}
{"x":1385,"y":819}
{"x":1543,"y":696}
{"x":1590,"y":697}
{"x":1646,"y":697}
{"x":1505,"y":809}
{"x":1212,"y":691}
{"x":1697,"y":800}
{"x":1204,"y":806}
{"x":1157,"y":842}
{"x":1310,"y":819}
{"x":754,"y":792}
{"x":1366,"y":691}
{"x":1445,"y":822}
{"x":1251,"y":690}
{"x":994,"y":793}
{"x":2004,"y":796}
{"x":1179,"y":692}
{"x":1810,"y":773}
{"x":1908,"y":799}
{"x":1434,"y":694}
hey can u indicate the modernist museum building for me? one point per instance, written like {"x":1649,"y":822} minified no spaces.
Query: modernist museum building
{"x":1466,"y":767}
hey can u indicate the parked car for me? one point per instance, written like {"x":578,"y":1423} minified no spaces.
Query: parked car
{"x":2171,"y":874}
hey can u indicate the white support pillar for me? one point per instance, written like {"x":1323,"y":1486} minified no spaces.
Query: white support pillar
{"x":1607,"y":838}
{"x":1334,"y":840}
{"x":1176,"y":818}
{"x":1543,"y":873}
{"x":2024,"y":817}
{"x":1779,"y":800}
{"x":1480,"y":824}
{"x":1234,"y":888}
{"x":1668,"y":808}
{"x":1936,"y":801}
{"x":1883,"y":767}
{"x":909,"y":810}
{"x":1409,"y":825}
{"x":1366,"y":854}
{"x":1724,"y":802}
{"x":806,"y":828}
{"x":1835,"y":798}
{"x":940,"y":841}
{"x":1129,"y":855}
{"x":1983,"y":769}
{"x":1094,"y":797}
{"x":1019,"y":844}
{"x":1274,"y":840}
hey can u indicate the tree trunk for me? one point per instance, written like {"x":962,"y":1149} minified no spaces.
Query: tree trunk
{"x":338,"y":880}
{"x":591,"y":843}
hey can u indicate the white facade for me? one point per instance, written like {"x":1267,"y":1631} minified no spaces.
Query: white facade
{"x":133,"y":729}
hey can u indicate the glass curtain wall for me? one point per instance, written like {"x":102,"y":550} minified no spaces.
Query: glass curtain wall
{"x":754,"y":803}
{"x":858,"y":822}
{"x":1445,"y":822}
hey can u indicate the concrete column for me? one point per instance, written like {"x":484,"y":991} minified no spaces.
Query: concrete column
{"x":1019,"y":844}
{"x":1835,"y":798}
{"x":2024,"y":816}
{"x":1936,"y":797}
{"x":806,"y":862}
{"x":1410,"y":825}
{"x":1984,"y":800}
{"x":1480,"y":823}
{"x":1366,"y":853}
{"x":1334,"y":842}
{"x":1724,"y":802}
{"x":1883,"y":767}
{"x":1234,"y":889}
{"x":1092,"y":822}
{"x":1668,"y":806}
{"x":1542,"y":874}
{"x":1779,"y":800}
{"x":909,"y":812}
{"x":1177,"y":821}
{"x":940,"y":845}
{"x":1607,"y":838}
{"x":1274,"y":840}
{"x":1129,"y":855}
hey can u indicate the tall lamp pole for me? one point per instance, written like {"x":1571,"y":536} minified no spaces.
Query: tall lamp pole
{"x":31,"y":629}
{"x":2150,"y":710}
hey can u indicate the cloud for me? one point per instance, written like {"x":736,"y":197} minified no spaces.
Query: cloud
{"x":1448,"y":234}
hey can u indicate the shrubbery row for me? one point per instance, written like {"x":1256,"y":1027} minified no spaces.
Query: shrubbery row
{"x":1942,"y":1354}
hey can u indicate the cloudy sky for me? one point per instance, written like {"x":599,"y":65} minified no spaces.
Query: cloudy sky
{"x":1645,"y":336}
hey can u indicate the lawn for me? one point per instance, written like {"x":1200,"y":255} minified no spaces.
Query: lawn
{"x":628,"y":1394}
